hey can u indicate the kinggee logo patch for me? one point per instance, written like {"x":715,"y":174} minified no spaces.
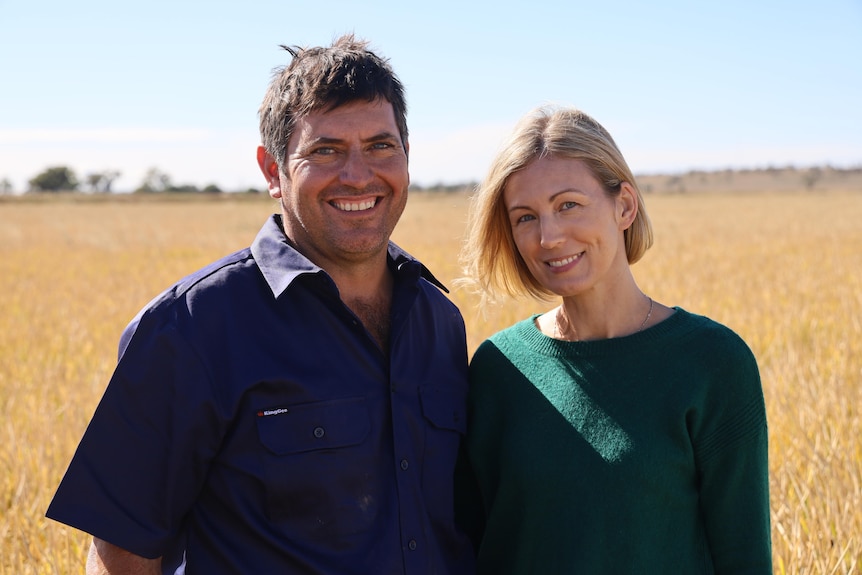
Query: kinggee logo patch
{"x":268,"y":412}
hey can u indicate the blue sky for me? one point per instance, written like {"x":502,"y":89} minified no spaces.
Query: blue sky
{"x":112,"y":85}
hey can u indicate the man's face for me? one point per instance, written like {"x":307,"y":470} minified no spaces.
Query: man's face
{"x":344,"y":183}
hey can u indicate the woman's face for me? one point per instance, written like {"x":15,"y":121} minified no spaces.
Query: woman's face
{"x":568,"y":230}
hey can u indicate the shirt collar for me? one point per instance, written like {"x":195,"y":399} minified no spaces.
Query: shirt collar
{"x":280,"y":263}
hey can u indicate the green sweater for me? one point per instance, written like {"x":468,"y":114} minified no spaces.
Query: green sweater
{"x":640,"y":454}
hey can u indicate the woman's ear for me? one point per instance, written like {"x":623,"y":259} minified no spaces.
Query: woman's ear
{"x":269,"y":169}
{"x":627,"y":205}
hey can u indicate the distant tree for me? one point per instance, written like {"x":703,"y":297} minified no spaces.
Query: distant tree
{"x":811,"y":176}
{"x":676,"y":184}
{"x":101,"y":182}
{"x":5,"y":187}
{"x":108,"y":179}
{"x":212,"y":189}
{"x":94,"y":180}
{"x":154,"y":181}
{"x":55,"y":179}
{"x":185,"y":189}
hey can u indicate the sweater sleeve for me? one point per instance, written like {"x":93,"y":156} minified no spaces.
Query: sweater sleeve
{"x":730,"y":442}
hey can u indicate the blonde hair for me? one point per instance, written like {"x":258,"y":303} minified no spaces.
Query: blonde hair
{"x":491,"y":261}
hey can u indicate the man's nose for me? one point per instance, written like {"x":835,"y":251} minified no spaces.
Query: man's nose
{"x":356,"y":172}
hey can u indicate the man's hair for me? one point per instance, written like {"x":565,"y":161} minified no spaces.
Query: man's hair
{"x":322,"y":79}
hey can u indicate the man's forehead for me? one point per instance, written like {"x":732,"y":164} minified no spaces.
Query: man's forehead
{"x":354,"y":119}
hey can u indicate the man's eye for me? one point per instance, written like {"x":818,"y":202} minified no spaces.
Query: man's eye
{"x":321,"y":151}
{"x":382,"y":146}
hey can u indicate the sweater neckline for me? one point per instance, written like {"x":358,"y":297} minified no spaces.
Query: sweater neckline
{"x":529,"y":333}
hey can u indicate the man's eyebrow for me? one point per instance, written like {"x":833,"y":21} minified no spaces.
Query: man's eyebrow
{"x":375,"y":138}
{"x":383,"y":136}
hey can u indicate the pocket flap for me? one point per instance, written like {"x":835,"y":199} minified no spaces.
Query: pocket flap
{"x":445,"y":408}
{"x":312,"y":426}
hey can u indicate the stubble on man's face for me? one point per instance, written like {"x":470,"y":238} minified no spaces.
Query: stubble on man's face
{"x":344,"y":186}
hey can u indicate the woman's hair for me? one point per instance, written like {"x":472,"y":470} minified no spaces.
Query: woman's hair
{"x":324,"y":78}
{"x":491,"y":261}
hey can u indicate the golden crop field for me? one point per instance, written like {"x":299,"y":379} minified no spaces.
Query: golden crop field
{"x":783,"y":270}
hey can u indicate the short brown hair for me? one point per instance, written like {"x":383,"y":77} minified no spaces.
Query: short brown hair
{"x":324,"y":78}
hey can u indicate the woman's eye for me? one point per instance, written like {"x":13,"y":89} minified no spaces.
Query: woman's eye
{"x":524,"y":218}
{"x":569,"y":205}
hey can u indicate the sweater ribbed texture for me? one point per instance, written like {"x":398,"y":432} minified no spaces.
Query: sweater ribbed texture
{"x":639,"y":454}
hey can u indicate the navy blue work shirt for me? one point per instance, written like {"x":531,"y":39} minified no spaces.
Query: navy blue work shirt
{"x":253,"y":425}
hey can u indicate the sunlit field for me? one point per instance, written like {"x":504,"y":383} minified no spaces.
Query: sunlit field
{"x":783,"y":270}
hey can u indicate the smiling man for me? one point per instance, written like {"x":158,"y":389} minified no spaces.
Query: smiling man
{"x":343,"y":188}
{"x":295,"y":407}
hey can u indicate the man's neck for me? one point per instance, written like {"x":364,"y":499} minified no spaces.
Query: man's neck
{"x":369,"y":297}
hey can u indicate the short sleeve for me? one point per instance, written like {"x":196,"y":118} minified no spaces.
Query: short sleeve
{"x":145,"y":453}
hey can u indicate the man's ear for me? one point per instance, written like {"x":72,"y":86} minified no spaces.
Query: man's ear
{"x":627,"y":205}
{"x":269,"y":168}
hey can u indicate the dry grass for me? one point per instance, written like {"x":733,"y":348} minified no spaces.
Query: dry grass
{"x":785,"y":271}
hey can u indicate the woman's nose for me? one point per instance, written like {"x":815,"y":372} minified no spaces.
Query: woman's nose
{"x":550,"y":233}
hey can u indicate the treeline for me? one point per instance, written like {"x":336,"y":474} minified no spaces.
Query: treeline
{"x":769,"y":179}
{"x":64,"y":179}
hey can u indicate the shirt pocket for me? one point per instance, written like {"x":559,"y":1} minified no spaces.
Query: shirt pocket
{"x":312,"y":426}
{"x":315,"y":460}
{"x":445,"y":410}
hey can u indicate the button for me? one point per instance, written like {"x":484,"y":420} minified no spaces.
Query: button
{"x":412,"y":545}
{"x":404,"y":464}
{"x":319,"y":432}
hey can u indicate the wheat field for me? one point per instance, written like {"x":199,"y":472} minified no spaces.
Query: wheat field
{"x":783,"y":270}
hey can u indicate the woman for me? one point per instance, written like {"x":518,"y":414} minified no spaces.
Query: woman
{"x":611,"y":434}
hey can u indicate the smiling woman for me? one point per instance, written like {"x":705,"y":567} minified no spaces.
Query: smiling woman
{"x":555,"y":199}
{"x":645,"y":421}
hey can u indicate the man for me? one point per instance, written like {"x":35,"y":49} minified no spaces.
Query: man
{"x":296,"y":407}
